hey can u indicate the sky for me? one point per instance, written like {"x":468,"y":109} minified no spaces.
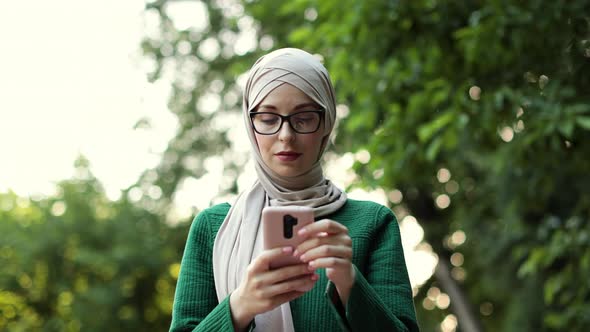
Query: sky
{"x":73,"y":82}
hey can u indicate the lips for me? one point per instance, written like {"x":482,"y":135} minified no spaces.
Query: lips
{"x":287,"y":155}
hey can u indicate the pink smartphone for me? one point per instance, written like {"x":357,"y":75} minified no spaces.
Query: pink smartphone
{"x":280,"y":225}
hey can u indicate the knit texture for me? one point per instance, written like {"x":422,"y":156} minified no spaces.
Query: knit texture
{"x":380,"y":300}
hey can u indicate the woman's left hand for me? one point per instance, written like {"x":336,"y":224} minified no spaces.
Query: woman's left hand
{"x":329,"y":246}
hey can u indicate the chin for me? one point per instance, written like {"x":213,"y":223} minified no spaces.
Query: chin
{"x":288,"y":172}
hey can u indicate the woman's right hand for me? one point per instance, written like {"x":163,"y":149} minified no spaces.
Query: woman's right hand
{"x":264,"y":289}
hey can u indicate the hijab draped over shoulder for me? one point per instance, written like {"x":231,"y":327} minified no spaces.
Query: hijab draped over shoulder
{"x":239,"y":239}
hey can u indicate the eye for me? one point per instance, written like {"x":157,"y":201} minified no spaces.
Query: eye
{"x":267,"y":119}
{"x":305,"y":117}
{"x":302,"y":119}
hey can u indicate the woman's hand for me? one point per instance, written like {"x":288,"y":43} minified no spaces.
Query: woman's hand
{"x":264,"y":289}
{"x":329,"y":246}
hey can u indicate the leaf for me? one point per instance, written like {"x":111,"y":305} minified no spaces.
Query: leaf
{"x":578,"y":109}
{"x":552,"y":287}
{"x":531,"y":265}
{"x":300,"y":35}
{"x":566,"y":128}
{"x":433,"y":149}
{"x":584,"y":122}
{"x":425,"y":132}
{"x":143,"y":123}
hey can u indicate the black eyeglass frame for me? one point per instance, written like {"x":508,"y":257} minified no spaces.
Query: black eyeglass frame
{"x":320,"y":112}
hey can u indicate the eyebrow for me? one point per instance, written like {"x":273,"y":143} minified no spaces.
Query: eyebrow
{"x":298,"y":107}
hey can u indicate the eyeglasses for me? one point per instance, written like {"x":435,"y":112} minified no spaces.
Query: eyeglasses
{"x":268,"y":123}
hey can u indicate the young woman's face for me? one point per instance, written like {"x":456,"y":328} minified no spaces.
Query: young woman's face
{"x":286,"y":152}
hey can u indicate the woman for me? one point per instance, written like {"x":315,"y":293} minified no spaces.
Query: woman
{"x":352,"y":274}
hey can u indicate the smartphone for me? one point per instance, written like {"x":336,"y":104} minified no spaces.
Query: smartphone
{"x":280,"y":225}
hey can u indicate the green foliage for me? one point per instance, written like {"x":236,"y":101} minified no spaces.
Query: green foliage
{"x":196,"y":76}
{"x":78,"y":262}
{"x":496,"y":93}
{"x":493,"y":94}
{"x":516,"y":145}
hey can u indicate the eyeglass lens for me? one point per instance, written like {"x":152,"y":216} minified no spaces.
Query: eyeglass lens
{"x":302,"y":122}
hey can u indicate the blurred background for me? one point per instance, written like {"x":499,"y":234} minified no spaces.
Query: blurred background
{"x":120,"y":120}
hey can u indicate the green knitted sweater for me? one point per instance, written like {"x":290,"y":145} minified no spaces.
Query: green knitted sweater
{"x":380,"y":300}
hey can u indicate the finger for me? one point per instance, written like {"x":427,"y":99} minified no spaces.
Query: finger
{"x":285,"y":273}
{"x":269,"y":303}
{"x":314,"y":242}
{"x":310,"y":286}
{"x":327,"y":251}
{"x":329,"y":262}
{"x":262,"y":262}
{"x":306,"y":283}
{"x":325,"y":225}
{"x":283,"y":298}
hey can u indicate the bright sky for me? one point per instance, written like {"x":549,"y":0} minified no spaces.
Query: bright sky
{"x":71,"y":83}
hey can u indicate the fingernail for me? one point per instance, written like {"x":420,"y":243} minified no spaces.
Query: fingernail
{"x":287,"y":249}
{"x":295,"y":253}
{"x":302,"y":231}
{"x":315,"y":277}
{"x":311,"y":266}
{"x":302,"y":258}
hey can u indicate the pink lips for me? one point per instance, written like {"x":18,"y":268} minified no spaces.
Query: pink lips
{"x":287,"y":155}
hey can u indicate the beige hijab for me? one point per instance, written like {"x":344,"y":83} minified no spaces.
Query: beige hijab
{"x":239,"y":239}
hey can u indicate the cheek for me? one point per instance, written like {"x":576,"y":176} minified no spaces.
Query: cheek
{"x":315,"y":143}
{"x":263,"y":143}
{"x":257,"y":139}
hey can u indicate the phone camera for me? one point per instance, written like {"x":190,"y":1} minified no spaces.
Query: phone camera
{"x":288,"y":223}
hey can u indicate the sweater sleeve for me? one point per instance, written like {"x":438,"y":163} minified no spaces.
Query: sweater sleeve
{"x":381,"y":298}
{"x":195,"y":301}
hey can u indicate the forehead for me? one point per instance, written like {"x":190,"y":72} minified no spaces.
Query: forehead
{"x":286,"y":96}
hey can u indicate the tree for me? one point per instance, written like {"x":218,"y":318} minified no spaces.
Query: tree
{"x":77,"y":261}
{"x":477,"y":112}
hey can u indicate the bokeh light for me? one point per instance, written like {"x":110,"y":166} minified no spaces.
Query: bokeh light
{"x":58,"y":208}
{"x":449,"y":324}
{"x":506,"y":133}
{"x":486,"y":308}
{"x":474,"y":92}
{"x":395,"y":196}
{"x":452,"y":187}
{"x":413,"y":233}
{"x":458,"y":238}
{"x":188,"y":15}
{"x":428,"y":304}
{"x":442,"y":201}
{"x":209,"y":49}
{"x":311,"y":14}
{"x":443,"y":301}
{"x":363,"y":156}
{"x":443,"y":175}
{"x":458,"y":273}
{"x":519,"y":126}
{"x":457,"y":259}
{"x":543,"y":80}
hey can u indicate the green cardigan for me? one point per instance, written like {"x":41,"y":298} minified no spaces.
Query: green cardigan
{"x":380,"y":300}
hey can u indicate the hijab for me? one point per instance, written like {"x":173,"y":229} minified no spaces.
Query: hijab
{"x":239,"y":239}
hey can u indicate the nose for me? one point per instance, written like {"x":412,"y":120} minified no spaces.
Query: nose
{"x":286,"y":133}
